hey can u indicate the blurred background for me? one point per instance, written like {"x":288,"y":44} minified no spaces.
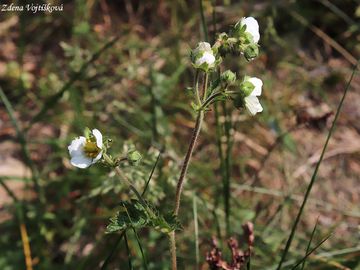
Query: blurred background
{"x":123,"y":67}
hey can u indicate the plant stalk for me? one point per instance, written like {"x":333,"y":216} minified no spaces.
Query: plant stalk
{"x":185,"y":166}
{"x":173,"y":250}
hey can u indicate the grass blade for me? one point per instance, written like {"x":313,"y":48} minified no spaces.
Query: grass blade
{"x":138,"y":242}
{"x":313,"y":178}
{"x":112,"y":252}
{"x":310,"y":241}
{"x":311,"y":251}
{"x":144,"y":260}
{"x":128,"y":251}
{"x":151,"y":174}
{"x":8,"y":190}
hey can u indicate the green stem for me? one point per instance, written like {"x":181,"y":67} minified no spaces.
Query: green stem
{"x":313,"y":178}
{"x":120,"y":173}
{"x":210,"y":100}
{"x":206,"y":79}
{"x":197,"y":93}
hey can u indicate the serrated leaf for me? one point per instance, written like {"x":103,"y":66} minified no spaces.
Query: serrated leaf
{"x":133,"y":214}
{"x":166,"y":223}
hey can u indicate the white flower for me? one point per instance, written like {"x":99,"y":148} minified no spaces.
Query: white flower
{"x":85,"y":152}
{"x":203,"y":56}
{"x":251,"y":101}
{"x":207,"y":58}
{"x":252,"y":27}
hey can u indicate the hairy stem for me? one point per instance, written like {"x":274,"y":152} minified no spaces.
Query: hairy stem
{"x":173,"y":250}
{"x":185,"y":166}
{"x":180,"y":184}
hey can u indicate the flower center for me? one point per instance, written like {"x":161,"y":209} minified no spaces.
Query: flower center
{"x":90,"y":149}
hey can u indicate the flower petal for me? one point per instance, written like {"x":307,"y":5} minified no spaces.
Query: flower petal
{"x":258,"y":86}
{"x":76,"y":146}
{"x":253,"y":105}
{"x":96,"y":159}
{"x":81,"y":161}
{"x":252,"y":27}
{"x":207,"y":57}
{"x":98,"y":136}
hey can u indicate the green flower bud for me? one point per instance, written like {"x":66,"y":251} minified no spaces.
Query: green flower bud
{"x":134,"y":157}
{"x":222,"y":44}
{"x":203,"y":57}
{"x":251,"y":51}
{"x":227,"y":78}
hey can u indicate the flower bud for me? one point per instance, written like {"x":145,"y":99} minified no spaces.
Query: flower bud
{"x":247,"y":28}
{"x":251,"y":52}
{"x":223,"y":44}
{"x":134,"y":157}
{"x":227,"y":78}
{"x":203,"y":57}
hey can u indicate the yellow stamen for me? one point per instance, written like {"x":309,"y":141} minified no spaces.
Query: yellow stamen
{"x":90,"y":149}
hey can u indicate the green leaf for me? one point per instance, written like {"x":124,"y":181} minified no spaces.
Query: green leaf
{"x":166,"y":223}
{"x":133,"y":214}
